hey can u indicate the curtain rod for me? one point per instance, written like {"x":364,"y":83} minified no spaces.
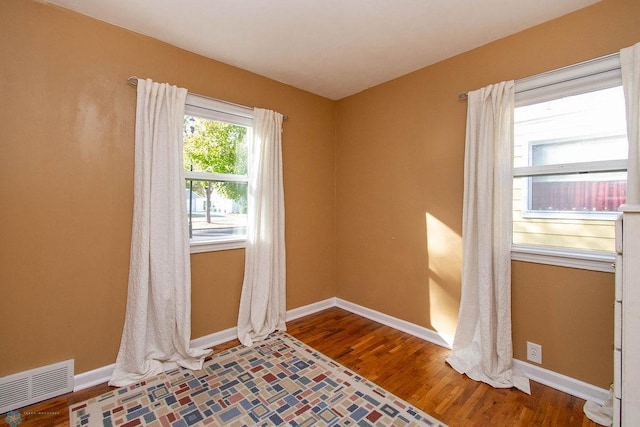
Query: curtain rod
{"x":133,"y":81}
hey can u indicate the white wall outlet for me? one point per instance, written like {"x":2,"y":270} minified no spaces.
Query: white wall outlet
{"x":534,"y":352}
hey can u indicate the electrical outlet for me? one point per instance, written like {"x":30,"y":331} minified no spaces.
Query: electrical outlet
{"x":534,"y":352}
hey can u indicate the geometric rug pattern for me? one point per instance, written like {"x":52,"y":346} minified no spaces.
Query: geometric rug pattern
{"x":279,"y":381}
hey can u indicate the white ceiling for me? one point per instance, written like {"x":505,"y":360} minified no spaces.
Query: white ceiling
{"x":333,"y":48}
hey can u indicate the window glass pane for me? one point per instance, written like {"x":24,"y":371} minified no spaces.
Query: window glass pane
{"x":573,"y":210}
{"x":580,"y":128}
{"x":214,"y":146}
{"x":582,"y":193}
{"x":577,"y":151}
{"x":572,"y":220}
{"x":216,"y":210}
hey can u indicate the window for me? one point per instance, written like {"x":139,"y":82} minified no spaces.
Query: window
{"x":216,"y":136}
{"x":570,"y":151}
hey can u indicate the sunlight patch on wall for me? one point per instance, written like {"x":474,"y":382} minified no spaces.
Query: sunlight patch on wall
{"x":444,"y":254}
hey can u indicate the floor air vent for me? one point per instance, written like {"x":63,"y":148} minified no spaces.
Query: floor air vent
{"x":35,"y":385}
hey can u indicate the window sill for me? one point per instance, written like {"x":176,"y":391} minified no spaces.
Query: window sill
{"x":584,"y":260}
{"x":585,"y":215}
{"x":220,"y":245}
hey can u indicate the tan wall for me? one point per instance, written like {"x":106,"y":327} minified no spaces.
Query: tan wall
{"x":569,"y":312}
{"x":399,"y":196}
{"x":66,"y":173}
{"x":66,"y":184}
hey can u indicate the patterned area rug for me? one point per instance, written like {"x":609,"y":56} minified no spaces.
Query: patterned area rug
{"x":279,"y":381}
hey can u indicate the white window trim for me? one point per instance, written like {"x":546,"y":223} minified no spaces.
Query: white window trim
{"x":571,"y":168}
{"x":585,"y":260}
{"x":599,"y":73}
{"x":562,"y":215}
{"x":568,"y":169}
{"x":207,"y":176}
{"x":220,"y":245}
{"x":215,"y":109}
{"x":588,"y":76}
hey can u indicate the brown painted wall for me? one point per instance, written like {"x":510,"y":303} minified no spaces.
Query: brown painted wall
{"x":66,"y":184}
{"x":66,"y":173}
{"x":399,"y":196}
{"x":569,"y":312}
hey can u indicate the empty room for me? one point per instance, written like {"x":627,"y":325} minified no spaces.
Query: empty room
{"x":298,"y":212}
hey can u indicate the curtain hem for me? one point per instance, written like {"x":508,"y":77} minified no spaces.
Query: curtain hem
{"x":510,"y":379}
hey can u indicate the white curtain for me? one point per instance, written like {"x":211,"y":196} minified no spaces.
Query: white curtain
{"x":482,"y":347}
{"x":157,"y":325}
{"x":262,"y":303}
{"x":630,"y":65}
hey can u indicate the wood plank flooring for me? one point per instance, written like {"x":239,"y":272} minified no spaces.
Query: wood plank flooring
{"x":407,"y":366}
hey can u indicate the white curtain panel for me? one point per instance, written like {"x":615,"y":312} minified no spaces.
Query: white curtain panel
{"x":262,"y":303}
{"x":482,"y":347}
{"x":630,"y":65}
{"x":157,"y":325}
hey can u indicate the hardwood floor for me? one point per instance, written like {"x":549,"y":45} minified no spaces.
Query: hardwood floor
{"x":407,"y":366}
{"x":415,"y":370}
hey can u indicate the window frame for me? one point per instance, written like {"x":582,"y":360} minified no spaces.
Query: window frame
{"x":597,"y":166}
{"x":600,"y":73}
{"x":214,"y":109}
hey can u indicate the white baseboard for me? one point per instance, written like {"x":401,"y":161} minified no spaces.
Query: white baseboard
{"x":102,"y":375}
{"x":232,"y":333}
{"x":94,"y":377}
{"x":549,"y":378}
{"x":561,"y":382}
{"x":215,"y":338}
{"x":399,"y":324}
{"x":310,"y":309}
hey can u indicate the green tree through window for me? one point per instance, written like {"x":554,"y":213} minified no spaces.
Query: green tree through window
{"x":216,"y":147}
